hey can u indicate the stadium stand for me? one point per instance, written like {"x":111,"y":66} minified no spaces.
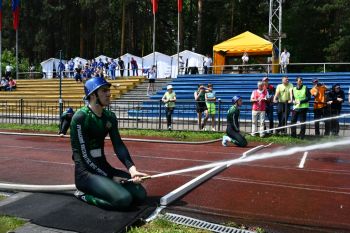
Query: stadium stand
{"x":228,"y":85}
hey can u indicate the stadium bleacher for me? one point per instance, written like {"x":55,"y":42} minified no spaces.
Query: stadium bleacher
{"x":228,"y":85}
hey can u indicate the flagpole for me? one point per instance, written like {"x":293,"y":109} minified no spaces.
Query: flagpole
{"x":178,"y":42}
{"x":154,"y":38}
{"x":17,"y":54}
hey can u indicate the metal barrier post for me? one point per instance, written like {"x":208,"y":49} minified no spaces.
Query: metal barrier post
{"x":219,"y":108}
{"x":21,"y":115}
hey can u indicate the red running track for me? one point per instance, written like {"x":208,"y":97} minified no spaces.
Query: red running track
{"x":273,"y":193}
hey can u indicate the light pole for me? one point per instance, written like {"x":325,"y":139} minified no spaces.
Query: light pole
{"x":60,"y":101}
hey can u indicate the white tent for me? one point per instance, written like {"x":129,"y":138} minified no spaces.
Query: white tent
{"x":103,"y":57}
{"x":190,"y":59}
{"x":79,"y":59}
{"x":49,"y":66}
{"x":127,"y":59}
{"x":163,"y":63}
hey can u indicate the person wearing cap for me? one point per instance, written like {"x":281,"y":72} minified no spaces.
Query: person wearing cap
{"x":335,"y":100}
{"x":300,"y":96}
{"x":99,"y":183}
{"x":201,"y":107}
{"x":269,"y":103}
{"x":318,"y":91}
{"x":169,"y":99}
{"x":232,"y":129}
{"x":283,"y":100}
{"x":65,"y":121}
{"x":259,"y":98}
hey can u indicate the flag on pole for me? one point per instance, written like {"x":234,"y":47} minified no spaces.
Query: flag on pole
{"x":155,"y":6}
{"x":15,"y":13}
{"x":179,"y":6}
{"x":0,"y":15}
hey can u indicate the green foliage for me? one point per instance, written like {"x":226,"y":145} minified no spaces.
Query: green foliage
{"x":9,"y":58}
{"x":10,"y":223}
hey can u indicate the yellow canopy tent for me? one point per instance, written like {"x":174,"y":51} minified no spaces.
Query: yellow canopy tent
{"x":236,"y":46}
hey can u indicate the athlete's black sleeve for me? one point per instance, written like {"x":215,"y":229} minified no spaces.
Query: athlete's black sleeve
{"x":118,"y":145}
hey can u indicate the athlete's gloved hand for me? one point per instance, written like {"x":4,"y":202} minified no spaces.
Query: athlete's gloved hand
{"x":136,"y":175}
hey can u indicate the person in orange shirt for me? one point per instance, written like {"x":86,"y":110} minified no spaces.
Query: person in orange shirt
{"x":318,"y":91}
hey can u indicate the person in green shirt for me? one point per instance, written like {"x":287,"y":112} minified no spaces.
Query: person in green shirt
{"x":232,"y":129}
{"x":65,"y":121}
{"x":300,"y":96}
{"x":99,"y":183}
{"x":283,"y":100}
{"x":169,"y":98}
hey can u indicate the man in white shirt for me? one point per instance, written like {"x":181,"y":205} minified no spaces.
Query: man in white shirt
{"x":207,"y":64}
{"x":245,"y":59}
{"x":284,"y":60}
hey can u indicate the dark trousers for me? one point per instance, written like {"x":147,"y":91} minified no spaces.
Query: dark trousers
{"x":320,"y":113}
{"x":239,"y":140}
{"x":168,"y":113}
{"x":301,"y":114}
{"x":269,"y":114}
{"x":333,"y":125}
{"x":283,"y":110}
{"x":64,"y":126}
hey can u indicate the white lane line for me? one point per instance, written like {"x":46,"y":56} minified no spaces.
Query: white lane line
{"x":303,"y":159}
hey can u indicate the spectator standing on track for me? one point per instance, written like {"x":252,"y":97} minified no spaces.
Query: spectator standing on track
{"x":269,"y":103}
{"x":259,"y":98}
{"x":210,"y":100}
{"x":335,"y":99}
{"x":201,"y":107}
{"x":169,"y":99}
{"x":283,"y":100}
{"x":65,"y":121}
{"x":300,"y":95}
{"x":318,"y":91}
{"x":232,"y":130}
{"x":284,"y":60}
{"x":152,"y":75}
{"x":99,"y":183}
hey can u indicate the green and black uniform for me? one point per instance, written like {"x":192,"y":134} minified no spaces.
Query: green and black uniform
{"x":65,"y":121}
{"x":232,"y":129}
{"x":93,"y":174}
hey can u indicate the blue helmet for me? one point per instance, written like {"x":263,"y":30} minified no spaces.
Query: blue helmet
{"x":236,"y":98}
{"x":69,"y":110}
{"x":93,"y":84}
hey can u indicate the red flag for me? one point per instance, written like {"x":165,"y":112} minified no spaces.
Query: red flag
{"x":15,"y":13}
{"x":155,"y":6}
{"x":179,"y":6}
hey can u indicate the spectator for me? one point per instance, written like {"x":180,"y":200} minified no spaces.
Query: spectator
{"x":318,"y":91}
{"x":283,"y":100}
{"x":134,"y":67}
{"x":169,"y":98}
{"x":8,"y":71}
{"x":232,"y":130}
{"x":111,"y":67}
{"x":269,"y":103}
{"x":97,"y":181}
{"x":31,"y":71}
{"x":201,"y":107}
{"x":65,"y":121}
{"x":60,"y":69}
{"x":259,"y":98}
{"x":207,"y":64}
{"x":300,"y":95}
{"x":210,"y":99}
{"x":192,"y":66}
{"x":4,"y":84}
{"x":335,"y":99}
{"x":12,"y":84}
{"x":78,"y":73}
{"x":245,"y":59}
{"x":121,"y":67}
{"x":66,"y":70}
{"x":152,"y":75}
{"x":71,"y":68}
{"x":284,"y":60}
{"x":181,"y":65}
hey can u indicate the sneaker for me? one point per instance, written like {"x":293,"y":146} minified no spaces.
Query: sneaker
{"x":224,"y":142}
{"x":169,"y":127}
{"x":80,"y":195}
{"x":213,"y":129}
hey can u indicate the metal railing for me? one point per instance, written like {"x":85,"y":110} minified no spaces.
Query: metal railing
{"x":149,"y":115}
